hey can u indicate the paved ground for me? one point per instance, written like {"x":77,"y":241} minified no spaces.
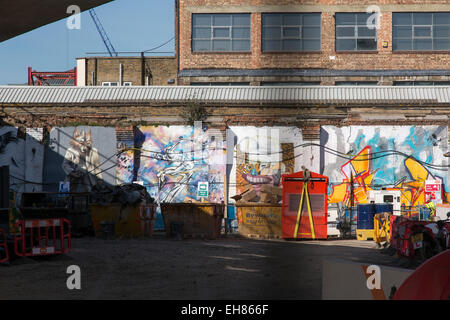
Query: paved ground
{"x":160,"y":268}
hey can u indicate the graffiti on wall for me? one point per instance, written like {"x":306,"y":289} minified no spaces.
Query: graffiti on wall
{"x":125,"y":156}
{"x":175,"y":159}
{"x":393,"y":158}
{"x":263,"y":154}
{"x":12,"y":150}
{"x":82,"y":156}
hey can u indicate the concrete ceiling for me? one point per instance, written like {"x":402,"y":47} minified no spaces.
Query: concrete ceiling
{"x":20,"y":16}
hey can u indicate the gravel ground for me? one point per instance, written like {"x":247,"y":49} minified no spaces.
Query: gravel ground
{"x":160,"y":268}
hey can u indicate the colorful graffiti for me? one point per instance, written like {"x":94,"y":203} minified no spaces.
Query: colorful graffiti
{"x":82,"y":156}
{"x":392,"y":158}
{"x":174,"y":159}
{"x":256,"y":173}
{"x":125,"y":155}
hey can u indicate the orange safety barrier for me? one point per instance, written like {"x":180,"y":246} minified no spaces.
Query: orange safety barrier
{"x":3,"y":247}
{"x":42,"y":237}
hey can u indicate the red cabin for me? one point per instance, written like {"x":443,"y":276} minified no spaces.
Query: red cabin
{"x":300,"y":227}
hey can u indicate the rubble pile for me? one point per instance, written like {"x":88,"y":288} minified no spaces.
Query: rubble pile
{"x":268,"y":194}
{"x":126,"y":194}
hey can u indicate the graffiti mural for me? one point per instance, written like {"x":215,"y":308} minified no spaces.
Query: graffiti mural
{"x":175,"y":159}
{"x":392,"y":158}
{"x":12,"y":154}
{"x":263,"y":154}
{"x":82,"y":156}
{"x":125,"y":155}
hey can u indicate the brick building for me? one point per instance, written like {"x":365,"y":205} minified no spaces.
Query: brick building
{"x":126,"y":71}
{"x":311,"y":42}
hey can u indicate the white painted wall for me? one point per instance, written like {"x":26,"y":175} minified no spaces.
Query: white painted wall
{"x":81,"y":72}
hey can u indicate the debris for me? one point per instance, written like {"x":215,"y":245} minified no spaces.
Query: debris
{"x":126,"y":194}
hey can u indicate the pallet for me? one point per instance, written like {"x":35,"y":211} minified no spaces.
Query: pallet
{"x":364,"y":234}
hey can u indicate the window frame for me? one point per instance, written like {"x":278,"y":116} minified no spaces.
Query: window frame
{"x":283,"y":26}
{"x":216,"y":27}
{"x":413,"y":37}
{"x":355,"y":36}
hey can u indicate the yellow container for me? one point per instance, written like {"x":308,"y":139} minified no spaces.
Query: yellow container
{"x":382,"y":227}
{"x":130,"y":222}
{"x":258,"y":220}
{"x":364,"y":234}
{"x":200,"y":220}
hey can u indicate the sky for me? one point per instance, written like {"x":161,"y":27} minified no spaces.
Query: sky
{"x":131,"y":25}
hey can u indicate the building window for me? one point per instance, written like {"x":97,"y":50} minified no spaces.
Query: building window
{"x":220,"y":83}
{"x":422,"y":83}
{"x":291,"y":32}
{"x":110,"y":84}
{"x":116,"y":84}
{"x":421,"y":31}
{"x":353,"y":32}
{"x":220,"y":32}
{"x":356,"y":83}
{"x":288,"y":84}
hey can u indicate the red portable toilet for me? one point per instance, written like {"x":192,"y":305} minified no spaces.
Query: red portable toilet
{"x":300,"y":226}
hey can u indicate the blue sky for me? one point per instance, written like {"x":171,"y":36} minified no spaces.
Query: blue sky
{"x":132,"y":25}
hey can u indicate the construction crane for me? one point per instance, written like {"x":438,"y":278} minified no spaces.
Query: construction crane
{"x":103,"y":34}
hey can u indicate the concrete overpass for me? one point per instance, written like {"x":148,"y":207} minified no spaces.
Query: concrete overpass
{"x":20,"y":16}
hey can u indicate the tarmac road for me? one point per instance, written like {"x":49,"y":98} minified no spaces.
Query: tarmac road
{"x":159,"y":268}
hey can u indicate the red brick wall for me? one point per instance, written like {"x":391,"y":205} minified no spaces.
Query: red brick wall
{"x":384,"y":59}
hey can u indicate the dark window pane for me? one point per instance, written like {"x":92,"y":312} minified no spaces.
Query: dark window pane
{"x":422,"y":31}
{"x":291,"y":32}
{"x":221,"y":20}
{"x":422,"y":44}
{"x":441,"y":32}
{"x":241,"y":20}
{"x":241,"y":33}
{"x":291,"y":45}
{"x":201,"y":45}
{"x":290,"y":19}
{"x":345,"y":31}
{"x":271,"y":45}
{"x":442,"y":18}
{"x":366,"y":32}
{"x":311,"y":19}
{"x":402,"y":45}
{"x":441,"y":44}
{"x":367,"y":44}
{"x":221,"y":33}
{"x":361,"y":18}
{"x":423,"y":83}
{"x":271,"y":33}
{"x":422,"y":18}
{"x":345,"y":19}
{"x":403,"y":83}
{"x":402,"y":32}
{"x":241,"y":45}
{"x":311,"y":45}
{"x":271,"y":19}
{"x":202,"y":33}
{"x":345,"y":44}
{"x":201,"y":20}
{"x":401,"y":19}
{"x":221,"y":45}
{"x":311,"y":32}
